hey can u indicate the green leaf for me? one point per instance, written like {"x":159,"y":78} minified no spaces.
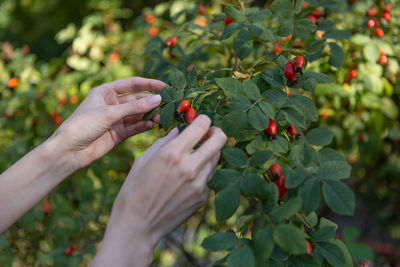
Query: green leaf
{"x":234,"y":123}
{"x":303,"y":155}
{"x":257,"y":119}
{"x":337,"y":34}
{"x":259,"y":15}
{"x":230,"y":86}
{"x":326,"y":231}
{"x":263,"y":244}
{"x":191,"y":79}
{"x":241,"y":256}
{"x":167,"y":94}
{"x":222,"y":178}
{"x":260,"y":157}
{"x":294,"y":116}
{"x":239,"y":102}
{"x":339,"y":197}
{"x":360,"y":252}
{"x":295,"y":178}
{"x":283,"y":8}
{"x":332,"y":253}
{"x":303,"y":27}
{"x":279,"y":145}
{"x":226,"y":202}
{"x":253,"y":186}
{"x":320,"y":136}
{"x":251,"y":90}
{"x":290,"y":238}
{"x":347,"y":257}
{"x":286,"y":210}
{"x":328,"y":154}
{"x":273,"y":78}
{"x":351,"y":233}
{"x":3,"y":242}
{"x":267,"y":109}
{"x":234,"y":13}
{"x":263,"y":33}
{"x":303,"y":261}
{"x":231,"y":29}
{"x":315,"y":46}
{"x":310,"y":193}
{"x":286,"y":27}
{"x":299,"y":6}
{"x":220,"y":241}
{"x":167,"y":114}
{"x":177,"y":79}
{"x":243,"y":44}
{"x":234,"y":156}
{"x":275,"y":97}
{"x":337,"y":56}
{"x":319,"y":77}
{"x":334,"y":170}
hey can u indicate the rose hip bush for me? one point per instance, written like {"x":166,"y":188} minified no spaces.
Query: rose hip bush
{"x":243,"y":66}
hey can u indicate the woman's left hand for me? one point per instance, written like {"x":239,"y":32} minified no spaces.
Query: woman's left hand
{"x":106,"y":117}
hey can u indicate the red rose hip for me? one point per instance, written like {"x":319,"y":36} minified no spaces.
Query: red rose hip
{"x":275,"y":170}
{"x":183,"y":106}
{"x":290,"y":71}
{"x":280,"y":182}
{"x":228,"y":21}
{"x":271,"y":129}
{"x":190,"y":115}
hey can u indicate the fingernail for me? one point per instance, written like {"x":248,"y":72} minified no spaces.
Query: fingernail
{"x":173,"y":131}
{"x":155,"y":99}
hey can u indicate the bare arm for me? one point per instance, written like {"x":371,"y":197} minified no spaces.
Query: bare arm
{"x":103,"y":120}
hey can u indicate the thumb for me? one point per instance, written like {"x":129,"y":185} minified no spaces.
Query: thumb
{"x":117,"y":112}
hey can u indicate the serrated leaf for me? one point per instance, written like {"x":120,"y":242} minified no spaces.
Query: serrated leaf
{"x":253,"y":186}
{"x":275,"y":97}
{"x":234,"y":156}
{"x":310,"y":193}
{"x":303,"y":27}
{"x":279,"y":145}
{"x":234,"y":123}
{"x":226,"y":202}
{"x":295,"y":178}
{"x":334,"y":170}
{"x":332,"y":253}
{"x":231,"y":29}
{"x":230,"y":86}
{"x":263,"y":33}
{"x":258,"y":15}
{"x":328,"y":154}
{"x":339,"y":197}
{"x":315,"y":46}
{"x":220,"y":241}
{"x":222,"y":178}
{"x":257,"y":119}
{"x":326,"y":231}
{"x":260,"y":157}
{"x":286,"y":210}
{"x":263,"y":244}
{"x":299,"y":6}
{"x":251,"y":90}
{"x":290,"y":238}
{"x":286,"y":27}
{"x":267,"y":109}
{"x":320,"y":136}
{"x":241,"y":256}
{"x":337,"y":55}
{"x":167,"y":114}
{"x":337,"y":34}
{"x":283,"y":8}
{"x":191,"y":79}
{"x":243,"y":44}
{"x":294,"y":116}
{"x":319,"y":77}
{"x":167,"y":94}
{"x":234,"y":13}
{"x":177,"y":79}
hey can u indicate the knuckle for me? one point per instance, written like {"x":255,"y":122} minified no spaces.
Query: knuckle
{"x":221,"y":135}
{"x":188,"y":173}
{"x":204,"y":124}
{"x":170,"y":156}
{"x":197,"y":189}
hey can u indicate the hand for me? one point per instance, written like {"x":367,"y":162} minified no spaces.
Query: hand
{"x":105,"y":118}
{"x":163,"y":189}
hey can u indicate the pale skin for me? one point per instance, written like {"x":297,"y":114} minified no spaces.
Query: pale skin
{"x":164,"y":187}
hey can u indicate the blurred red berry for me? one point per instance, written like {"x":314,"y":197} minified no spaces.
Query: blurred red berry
{"x":379,"y":32}
{"x":190,"y":115}
{"x":372,"y":12}
{"x":153,"y":31}
{"x":12,"y":83}
{"x":275,"y":170}
{"x":313,"y":19}
{"x":228,"y":21}
{"x":114,"y":57}
{"x":69,"y":251}
{"x":280,"y":182}
{"x":46,"y":207}
{"x":371,"y":23}
{"x":171,"y":41}
{"x":150,"y":19}
{"x":386,"y":15}
{"x":277,"y":50}
{"x":290,"y":71}
{"x":201,"y":9}
{"x":317,"y":13}
{"x":309,"y":247}
{"x":73,"y":99}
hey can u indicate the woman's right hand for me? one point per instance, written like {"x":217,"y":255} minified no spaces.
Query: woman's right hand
{"x":165,"y":186}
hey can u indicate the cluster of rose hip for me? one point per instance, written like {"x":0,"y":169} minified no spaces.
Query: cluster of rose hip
{"x":374,"y":23}
{"x":294,"y":67}
{"x":190,"y":113}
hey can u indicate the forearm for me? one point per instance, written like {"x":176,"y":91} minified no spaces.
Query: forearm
{"x":30,"y":179}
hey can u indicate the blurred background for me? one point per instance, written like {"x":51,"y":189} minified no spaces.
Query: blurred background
{"x":54,"y":52}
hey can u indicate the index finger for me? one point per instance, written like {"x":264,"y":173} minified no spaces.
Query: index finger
{"x":127,"y":85}
{"x":192,"y":134}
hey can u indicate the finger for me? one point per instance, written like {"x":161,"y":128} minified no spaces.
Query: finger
{"x":114,"y":113}
{"x":156,"y":118}
{"x":211,"y":146}
{"x":207,"y":171}
{"x":138,"y":127}
{"x":162,"y":142}
{"x":126,"y":85}
{"x":132,"y":119}
{"x":132,"y":97}
{"x":192,"y":134}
